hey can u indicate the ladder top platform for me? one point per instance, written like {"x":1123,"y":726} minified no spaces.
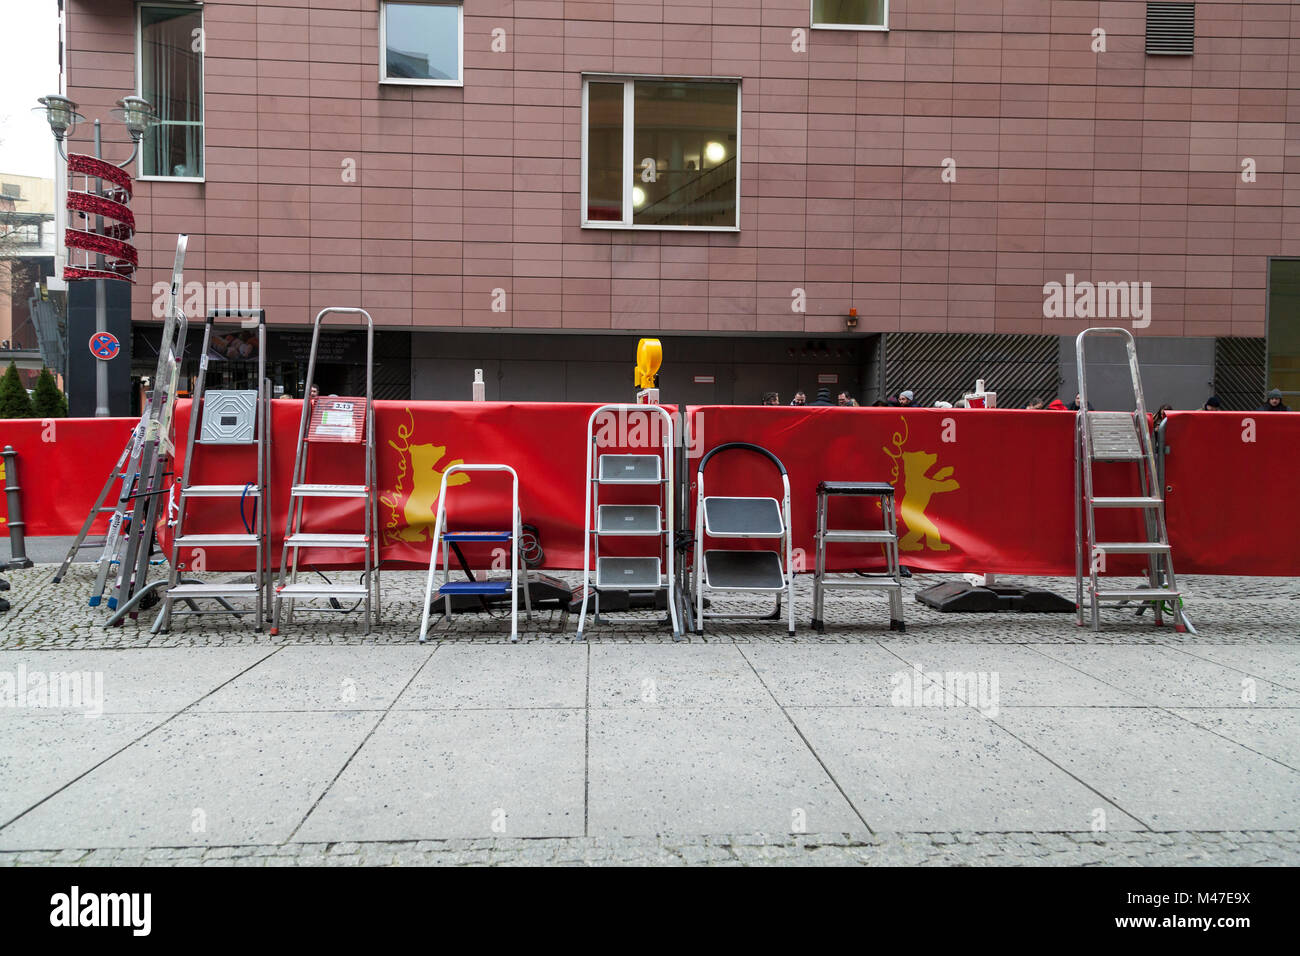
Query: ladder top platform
{"x":855,"y":488}
{"x":743,"y":517}
{"x":475,"y":587}
{"x":631,"y":469}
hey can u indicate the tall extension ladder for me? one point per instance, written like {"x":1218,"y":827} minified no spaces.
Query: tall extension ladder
{"x":223,"y":419}
{"x":1119,"y":437}
{"x":139,"y":469}
{"x":442,"y":539}
{"x":330,"y":421}
{"x":641,"y":573}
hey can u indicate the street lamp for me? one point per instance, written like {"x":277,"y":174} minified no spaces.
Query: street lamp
{"x":137,"y":115}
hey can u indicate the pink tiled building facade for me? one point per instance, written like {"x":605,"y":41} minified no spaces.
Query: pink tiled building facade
{"x":730,"y":174}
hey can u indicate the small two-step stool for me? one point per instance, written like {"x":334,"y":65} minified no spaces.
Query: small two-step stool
{"x":886,"y":537}
{"x":744,"y":571}
{"x":443,"y":539}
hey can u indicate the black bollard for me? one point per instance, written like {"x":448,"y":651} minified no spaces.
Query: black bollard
{"x":17,"y":545}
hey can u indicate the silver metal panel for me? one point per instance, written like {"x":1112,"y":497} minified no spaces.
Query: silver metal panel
{"x":627,"y":573}
{"x":229,"y":417}
{"x":630,"y":469}
{"x":628,"y":519}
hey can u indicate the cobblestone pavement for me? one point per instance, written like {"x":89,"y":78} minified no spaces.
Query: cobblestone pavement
{"x":1235,"y":610}
{"x":1232,"y":617}
{"x":1245,"y":848}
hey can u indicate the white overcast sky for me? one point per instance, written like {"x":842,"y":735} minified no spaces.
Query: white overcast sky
{"x":29,"y":68}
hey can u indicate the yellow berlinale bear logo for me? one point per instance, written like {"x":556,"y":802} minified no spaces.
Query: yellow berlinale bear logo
{"x":919,"y":486}
{"x":411,"y":515}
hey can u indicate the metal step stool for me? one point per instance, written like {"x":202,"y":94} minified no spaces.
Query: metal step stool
{"x":743,"y":571}
{"x":886,"y":537}
{"x":443,"y":540}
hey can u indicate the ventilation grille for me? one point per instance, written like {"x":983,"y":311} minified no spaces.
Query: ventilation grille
{"x":1171,"y":28}
{"x":1239,"y":373}
{"x":945,"y":365}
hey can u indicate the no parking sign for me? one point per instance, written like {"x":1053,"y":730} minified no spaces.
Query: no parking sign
{"x":104,"y":346}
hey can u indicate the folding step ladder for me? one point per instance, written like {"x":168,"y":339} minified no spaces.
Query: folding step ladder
{"x":442,"y":539}
{"x":329,"y":421}
{"x":751,"y":572}
{"x":1107,"y":436}
{"x":886,"y":537}
{"x":139,"y":470}
{"x":626,"y":520}
{"x":226,"y":418}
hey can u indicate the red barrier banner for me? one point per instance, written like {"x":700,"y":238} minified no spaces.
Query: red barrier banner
{"x":977,"y":490}
{"x":1230,"y":494}
{"x":544,"y":442}
{"x":62,"y":465}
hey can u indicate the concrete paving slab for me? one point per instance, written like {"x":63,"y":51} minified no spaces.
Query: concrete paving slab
{"x":1279,"y":663}
{"x":139,"y":680}
{"x":1167,"y":678}
{"x":1161,"y":769}
{"x":673,"y":770}
{"x":214,"y":779}
{"x":861,"y":675}
{"x":500,"y":676}
{"x":328,"y":678}
{"x":1272,"y":732}
{"x":41,"y":751}
{"x":674,"y":675}
{"x":946,"y":768}
{"x":438,"y":774}
{"x":1025,"y":677}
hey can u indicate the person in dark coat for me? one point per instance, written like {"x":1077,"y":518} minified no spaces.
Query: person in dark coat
{"x":1273,"y":403}
{"x":1212,"y":404}
{"x":823,"y":397}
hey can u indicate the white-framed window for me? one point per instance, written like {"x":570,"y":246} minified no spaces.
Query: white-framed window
{"x":660,"y":153}
{"x":422,"y":44}
{"x":850,"y":14}
{"x":169,"y":74}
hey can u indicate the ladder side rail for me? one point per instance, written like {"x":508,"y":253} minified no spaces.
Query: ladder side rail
{"x":1078,"y":521}
{"x":371,"y":527}
{"x":262,"y":451}
{"x":699,"y":551}
{"x":196,"y":400}
{"x":587,"y":527}
{"x":433,"y":558}
{"x":515,"y":537}
{"x":114,"y":539}
{"x":789,"y":547}
{"x":670,"y":537}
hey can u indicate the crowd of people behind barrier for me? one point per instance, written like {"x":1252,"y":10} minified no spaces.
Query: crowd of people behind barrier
{"x":907,"y":398}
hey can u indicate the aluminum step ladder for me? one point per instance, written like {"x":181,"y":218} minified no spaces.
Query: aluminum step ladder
{"x":220,"y":417}
{"x":442,"y":539}
{"x":328,"y":422}
{"x":743,"y":518}
{"x":139,"y":472}
{"x":1119,"y":437}
{"x":887,"y":537}
{"x":626,"y":520}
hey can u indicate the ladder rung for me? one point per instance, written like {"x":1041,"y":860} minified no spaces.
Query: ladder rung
{"x":221,"y":491}
{"x":877,"y":536}
{"x":860,"y":583}
{"x":216,"y":540}
{"x":320,"y":589}
{"x":182,"y":591}
{"x":1132,"y":547}
{"x":1137,"y":594}
{"x":476,"y":536}
{"x":329,"y":491}
{"x":1133,"y":502}
{"x":312,"y":539}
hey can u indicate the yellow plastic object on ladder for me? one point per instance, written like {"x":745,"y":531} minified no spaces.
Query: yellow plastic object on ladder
{"x":649,"y":356}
